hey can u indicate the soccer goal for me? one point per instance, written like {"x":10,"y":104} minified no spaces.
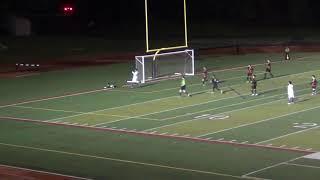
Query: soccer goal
{"x":165,"y":65}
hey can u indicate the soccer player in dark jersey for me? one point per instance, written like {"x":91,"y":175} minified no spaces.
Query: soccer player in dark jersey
{"x":215,"y":84}
{"x":249,"y":73}
{"x":268,"y":69}
{"x":204,"y":76}
{"x":314,"y":84}
{"x":286,"y":53}
{"x":254,"y":86}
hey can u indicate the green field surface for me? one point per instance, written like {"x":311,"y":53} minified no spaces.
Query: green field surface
{"x":65,"y":122}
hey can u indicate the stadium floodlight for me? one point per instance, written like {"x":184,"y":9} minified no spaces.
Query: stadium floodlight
{"x":185,"y":45}
{"x":161,"y":65}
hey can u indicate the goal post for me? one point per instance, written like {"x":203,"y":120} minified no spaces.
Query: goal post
{"x":165,"y":65}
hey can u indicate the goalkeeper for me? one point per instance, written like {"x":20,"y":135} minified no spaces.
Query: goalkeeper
{"x":183,"y":87}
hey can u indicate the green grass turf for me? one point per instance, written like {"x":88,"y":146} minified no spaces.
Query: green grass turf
{"x":264,"y":119}
{"x":85,"y":152}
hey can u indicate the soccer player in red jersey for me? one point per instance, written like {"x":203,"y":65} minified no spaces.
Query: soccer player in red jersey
{"x":249,"y":73}
{"x":314,"y":84}
{"x":204,"y":76}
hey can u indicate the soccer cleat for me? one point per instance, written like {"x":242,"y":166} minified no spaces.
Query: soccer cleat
{"x":256,"y":94}
{"x":252,"y":94}
{"x":221,"y":91}
{"x":289,"y":103}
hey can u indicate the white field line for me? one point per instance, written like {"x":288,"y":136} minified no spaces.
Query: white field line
{"x":50,"y":98}
{"x":301,"y":165}
{"x":166,"y":110}
{"x":78,"y":112}
{"x":297,"y":132}
{"x":91,"y":112}
{"x":205,"y":110}
{"x":44,"y":172}
{"x":190,"y":120}
{"x":272,"y":166}
{"x":120,"y":160}
{"x":257,"y":122}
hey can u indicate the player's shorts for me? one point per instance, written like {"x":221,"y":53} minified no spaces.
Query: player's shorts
{"x":313,"y":87}
{"x":268,"y":70}
{"x":183,"y":88}
{"x":249,"y":74}
{"x":253,"y":87}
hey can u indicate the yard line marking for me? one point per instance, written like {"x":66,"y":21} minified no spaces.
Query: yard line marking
{"x":166,"y":110}
{"x":134,"y":132}
{"x":297,"y":132}
{"x":257,"y":122}
{"x":92,"y":112}
{"x":301,"y":165}
{"x":205,"y":110}
{"x":44,"y":172}
{"x":78,"y":112}
{"x":190,"y":120}
{"x":272,"y":166}
{"x":121,"y":160}
{"x":55,"y":97}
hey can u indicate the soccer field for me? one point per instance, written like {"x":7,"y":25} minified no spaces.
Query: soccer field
{"x":74,"y":127}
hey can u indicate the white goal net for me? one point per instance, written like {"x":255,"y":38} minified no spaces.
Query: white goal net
{"x":161,"y":65}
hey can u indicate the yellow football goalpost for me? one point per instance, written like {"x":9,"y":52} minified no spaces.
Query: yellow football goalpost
{"x":185,"y":45}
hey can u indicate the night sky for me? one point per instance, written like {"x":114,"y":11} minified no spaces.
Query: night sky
{"x":245,"y":11}
{"x":108,"y":13}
